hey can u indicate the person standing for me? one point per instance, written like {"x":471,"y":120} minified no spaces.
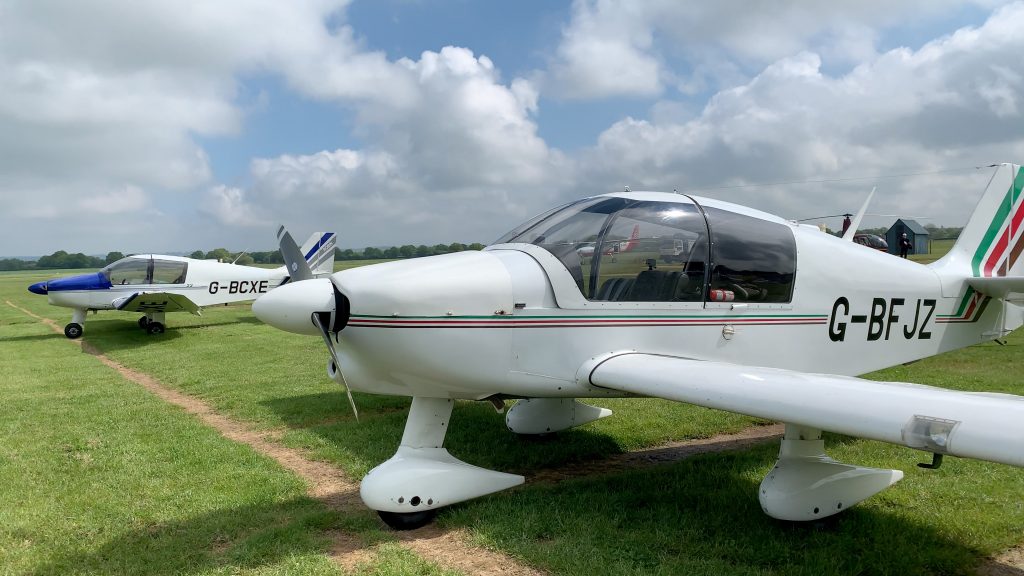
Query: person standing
{"x":905,"y":245}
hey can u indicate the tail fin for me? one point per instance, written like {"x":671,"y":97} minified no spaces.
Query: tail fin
{"x":319,"y":252}
{"x":992,"y":243}
{"x":634,"y":239}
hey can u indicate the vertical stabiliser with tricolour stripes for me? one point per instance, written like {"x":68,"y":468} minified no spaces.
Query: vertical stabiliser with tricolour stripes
{"x":991,"y":245}
{"x":992,"y":242}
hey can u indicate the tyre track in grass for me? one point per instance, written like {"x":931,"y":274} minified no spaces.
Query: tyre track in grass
{"x":662,"y":454}
{"x":450,"y":548}
{"x":329,"y":485}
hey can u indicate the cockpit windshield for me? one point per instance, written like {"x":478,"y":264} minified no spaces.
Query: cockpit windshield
{"x":620,"y":249}
{"x":135,"y":270}
{"x":629,"y":250}
{"x":128,"y":271}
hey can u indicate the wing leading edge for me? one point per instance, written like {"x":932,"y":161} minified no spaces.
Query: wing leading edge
{"x":979,"y":425}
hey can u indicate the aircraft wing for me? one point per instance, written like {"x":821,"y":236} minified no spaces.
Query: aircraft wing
{"x":1006,"y":287}
{"x":979,"y":425}
{"x":157,"y":302}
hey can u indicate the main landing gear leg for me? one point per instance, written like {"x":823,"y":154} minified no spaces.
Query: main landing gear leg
{"x":154,"y":322}
{"x":421,"y":477}
{"x":805,"y":484}
{"x":74,"y":329}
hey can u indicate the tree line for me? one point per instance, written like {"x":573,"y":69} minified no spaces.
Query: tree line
{"x":61,"y":259}
{"x":935,"y":232}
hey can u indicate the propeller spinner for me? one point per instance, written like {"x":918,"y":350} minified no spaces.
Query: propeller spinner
{"x":308,"y":306}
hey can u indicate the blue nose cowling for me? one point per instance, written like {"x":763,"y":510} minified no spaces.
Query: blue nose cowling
{"x":93,"y":281}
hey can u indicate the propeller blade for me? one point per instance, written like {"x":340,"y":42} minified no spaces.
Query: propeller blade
{"x":337,"y":365}
{"x":298,"y":268}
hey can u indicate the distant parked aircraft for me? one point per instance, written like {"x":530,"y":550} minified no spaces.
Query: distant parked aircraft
{"x":155,"y":284}
{"x":587,"y":250}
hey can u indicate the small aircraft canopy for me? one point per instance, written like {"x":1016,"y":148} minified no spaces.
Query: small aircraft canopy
{"x":623,"y":249}
{"x":145,"y":270}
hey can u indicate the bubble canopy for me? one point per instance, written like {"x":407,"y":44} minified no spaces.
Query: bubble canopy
{"x":658,"y":250}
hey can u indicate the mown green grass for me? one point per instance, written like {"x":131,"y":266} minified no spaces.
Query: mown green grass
{"x":696,"y":516}
{"x":99,"y":477}
{"x":939,"y":249}
{"x":701,"y":516}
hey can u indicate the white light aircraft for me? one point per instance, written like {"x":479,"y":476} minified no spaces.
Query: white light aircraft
{"x":154,"y":284}
{"x":760,"y":316}
{"x":610,"y":247}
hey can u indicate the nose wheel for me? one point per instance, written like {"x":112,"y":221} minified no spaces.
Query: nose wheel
{"x":73,"y":330}
{"x":155,"y":327}
{"x":407,"y":520}
{"x":143,"y":322}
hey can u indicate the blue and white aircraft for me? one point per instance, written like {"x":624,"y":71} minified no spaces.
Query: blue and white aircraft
{"x":155,"y":284}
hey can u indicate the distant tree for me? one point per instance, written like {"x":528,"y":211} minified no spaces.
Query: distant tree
{"x":407,"y":251}
{"x":198,"y":255}
{"x":61,"y":259}
{"x":14,"y":264}
{"x":113,"y":257}
{"x":440,"y":249}
{"x":371,"y":253}
{"x":219,"y":254}
{"x":423,"y":250}
{"x":875,"y":231}
{"x":268,"y":257}
{"x":456,"y":247}
{"x":244,"y":260}
{"x":942,"y":232}
{"x":475,"y":246}
{"x":393,"y":252}
{"x":55,"y":260}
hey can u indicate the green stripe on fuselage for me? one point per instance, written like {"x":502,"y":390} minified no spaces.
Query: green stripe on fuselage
{"x":963,"y":305}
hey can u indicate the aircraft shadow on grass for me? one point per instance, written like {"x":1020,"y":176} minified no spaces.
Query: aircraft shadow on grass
{"x":699,"y":515}
{"x":28,"y":338}
{"x":477,"y":434}
{"x":109,"y":335}
{"x":702,"y":509}
{"x":231,"y":539}
{"x":669,"y":519}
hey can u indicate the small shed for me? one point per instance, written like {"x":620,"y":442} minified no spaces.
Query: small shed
{"x":917,"y":234}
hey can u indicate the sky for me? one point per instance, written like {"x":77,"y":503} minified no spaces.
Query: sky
{"x":171,"y":126}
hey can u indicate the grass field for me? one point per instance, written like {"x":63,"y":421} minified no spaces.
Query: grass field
{"x":97,"y":476}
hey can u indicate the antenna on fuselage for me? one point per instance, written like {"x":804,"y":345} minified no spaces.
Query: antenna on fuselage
{"x":852,"y":228}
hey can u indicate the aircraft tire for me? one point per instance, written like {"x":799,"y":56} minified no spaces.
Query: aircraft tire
{"x":407,"y":520}
{"x":73,"y":330}
{"x":155,"y":328}
{"x":143,"y":322}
